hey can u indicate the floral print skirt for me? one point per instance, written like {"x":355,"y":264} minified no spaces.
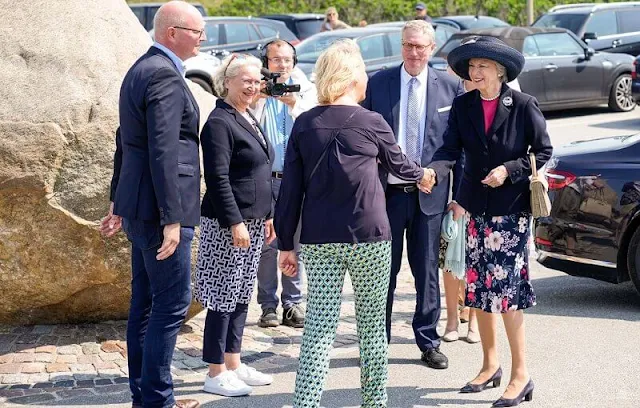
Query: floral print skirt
{"x":497,"y":263}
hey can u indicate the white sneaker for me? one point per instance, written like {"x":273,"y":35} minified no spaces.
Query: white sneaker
{"x":251,"y":376}
{"x":226,"y":384}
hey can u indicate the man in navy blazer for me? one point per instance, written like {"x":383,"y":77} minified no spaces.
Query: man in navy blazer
{"x":155,"y":193}
{"x":415,"y":100}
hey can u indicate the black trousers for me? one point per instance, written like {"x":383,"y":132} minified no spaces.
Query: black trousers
{"x":223,"y":333}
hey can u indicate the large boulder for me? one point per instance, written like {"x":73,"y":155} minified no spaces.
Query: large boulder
{"x":61,"y":66}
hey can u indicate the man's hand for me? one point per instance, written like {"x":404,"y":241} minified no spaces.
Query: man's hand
{"x":269,"y":231}
{"x":288,"y":99}
{"x":171,"y":240}
{"x":261,"y":94}
{"x":288,"y":262}
{"x":240,"y":235}
{"x":496,"y":177}
{"x":111,"y":223}
{"x":457,"y":209}
{"x":428,"y":181}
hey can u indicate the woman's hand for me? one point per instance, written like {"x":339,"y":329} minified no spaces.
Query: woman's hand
{"x":496,"y":177}
{"x":269,"y":231}
{"x":457,"y":209}
{"x":240,"y":235}
{"x":288,"y":262}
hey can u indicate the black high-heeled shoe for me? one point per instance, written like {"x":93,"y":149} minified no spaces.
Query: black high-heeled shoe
{"x":495,"y":379}
{"x":525,"y":395}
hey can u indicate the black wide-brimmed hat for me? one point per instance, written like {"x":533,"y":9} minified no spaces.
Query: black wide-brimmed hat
{"x":485,"y":47}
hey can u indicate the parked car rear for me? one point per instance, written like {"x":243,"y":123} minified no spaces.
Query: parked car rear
{"x":147,"y":11}
{"x":302,"y":25}
{"x":560,"y":70}
{"x":611,"y":27}
{"x":470,"y":22}
{"x":594,"y":187}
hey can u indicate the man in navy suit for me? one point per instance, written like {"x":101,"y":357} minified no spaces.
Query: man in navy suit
{"x":415,"y":100}
{"x":155,"y":194}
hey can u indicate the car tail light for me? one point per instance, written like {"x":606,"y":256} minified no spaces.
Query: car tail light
{"x":542,"y":241}
{"x":634,"y":72}
{"x":559,"y":179}
{"x":294,"y":42}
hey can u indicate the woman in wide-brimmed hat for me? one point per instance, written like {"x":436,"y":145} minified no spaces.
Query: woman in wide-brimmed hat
{"x":495,"y":127}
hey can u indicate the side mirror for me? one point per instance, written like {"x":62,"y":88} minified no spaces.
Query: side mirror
{"x":588,"y":53}
{"x":590,"y":36}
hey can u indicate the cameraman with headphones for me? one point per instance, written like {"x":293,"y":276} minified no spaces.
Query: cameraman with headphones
{"x":276,"y":114}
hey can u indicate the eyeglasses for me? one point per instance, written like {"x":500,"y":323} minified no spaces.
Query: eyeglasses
{"x":278,"y":60}
{"x":199,"y":32}
{"x":418,"y":47}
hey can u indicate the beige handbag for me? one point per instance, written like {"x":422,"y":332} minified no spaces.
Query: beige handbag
{"x":540,"y":203}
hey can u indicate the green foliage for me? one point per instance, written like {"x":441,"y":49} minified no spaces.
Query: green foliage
{"x":352,"y":11}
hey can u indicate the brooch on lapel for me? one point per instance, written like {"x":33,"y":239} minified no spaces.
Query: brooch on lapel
{"x":507,"y":101}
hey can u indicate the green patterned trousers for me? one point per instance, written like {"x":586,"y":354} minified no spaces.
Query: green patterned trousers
{"x":369,"y":265}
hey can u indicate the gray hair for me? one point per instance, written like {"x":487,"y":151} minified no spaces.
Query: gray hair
{"x":229,"y":68}
{"x":502,"y":72}
{"x":422,"y":27}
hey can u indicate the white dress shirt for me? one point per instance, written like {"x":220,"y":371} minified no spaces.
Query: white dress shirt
{"x":421,"y":91}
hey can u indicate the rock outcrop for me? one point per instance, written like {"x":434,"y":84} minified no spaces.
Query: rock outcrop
{"x":61,"y":66}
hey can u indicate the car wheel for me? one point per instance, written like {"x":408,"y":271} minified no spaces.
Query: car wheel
{"x":620,"y":98}
{"x":633,"y":259}
{"x":203,"y":84}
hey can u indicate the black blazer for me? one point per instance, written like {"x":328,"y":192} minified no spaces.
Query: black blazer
{"x":517,"y":128}
{"x":383,"y":96}
{"x":156,"y":173}
{"x":237,"y":168}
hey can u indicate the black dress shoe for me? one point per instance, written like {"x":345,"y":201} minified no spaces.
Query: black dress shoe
{"x":495,"y":379}
{"x":525,"y":395}
{"x":435,"y":359}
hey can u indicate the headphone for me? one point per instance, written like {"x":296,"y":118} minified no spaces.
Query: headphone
{"x":265,"y":49}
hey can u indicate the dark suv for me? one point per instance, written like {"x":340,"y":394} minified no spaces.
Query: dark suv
{"x":611,"y":27}
{"x":302,"y":25}
{"x":147,"y":11}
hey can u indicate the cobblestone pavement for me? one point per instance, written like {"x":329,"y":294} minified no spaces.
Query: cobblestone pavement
{"x":52,"y":363}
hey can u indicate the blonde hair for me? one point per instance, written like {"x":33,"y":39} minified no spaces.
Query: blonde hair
{"x":330,"y":10}
{"x":502,"y":72}
{"x":422,"y":27}
{"x":337,"y":69}
{"x":229,"y":68}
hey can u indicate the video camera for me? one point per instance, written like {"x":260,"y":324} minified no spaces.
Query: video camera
{"x":274,"y":88}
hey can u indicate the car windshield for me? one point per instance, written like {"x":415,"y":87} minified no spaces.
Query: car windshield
{"x":310,"y":49}
{"x":307,"y":28}
{"x":571,"y":22}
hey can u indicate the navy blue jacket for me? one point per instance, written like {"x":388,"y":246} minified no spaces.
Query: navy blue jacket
{"x":383,"y":96}
{"x":518,"y":127}
{"x":157,"y":165}
{"x":237,"y":168}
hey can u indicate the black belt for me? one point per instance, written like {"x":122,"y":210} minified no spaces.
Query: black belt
{"x":407,"y":188}
{"x":277,"y":174}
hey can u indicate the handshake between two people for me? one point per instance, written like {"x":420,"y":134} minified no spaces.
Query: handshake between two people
{"x":428,"y":181}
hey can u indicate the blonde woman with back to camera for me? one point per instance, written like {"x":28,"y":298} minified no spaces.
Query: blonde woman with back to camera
{"x":236,"y":222}
{"x":332,"y":160}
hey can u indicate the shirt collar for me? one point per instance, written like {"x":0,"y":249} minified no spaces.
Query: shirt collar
{"x":176,"y":60}
{"x":422,"y":77}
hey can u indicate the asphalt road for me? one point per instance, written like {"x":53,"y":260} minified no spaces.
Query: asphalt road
{"x":583,"y":336}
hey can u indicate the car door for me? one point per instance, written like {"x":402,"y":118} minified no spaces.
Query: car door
{"x":531,"y":78}
{"x":567,"y":74}
{"x":629,"y":27}
{"x":240,"y":37}
{"x":601,"y":31}
{"x":372,"y":48}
